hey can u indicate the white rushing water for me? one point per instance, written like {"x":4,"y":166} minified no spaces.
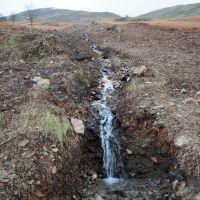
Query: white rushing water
{"x":109,"y":137}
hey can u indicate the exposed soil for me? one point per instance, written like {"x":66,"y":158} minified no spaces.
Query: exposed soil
{"x":42,"y":157}
{"x":161,"y":105}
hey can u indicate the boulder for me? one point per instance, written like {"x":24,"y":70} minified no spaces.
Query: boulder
{"x":78,"y":125}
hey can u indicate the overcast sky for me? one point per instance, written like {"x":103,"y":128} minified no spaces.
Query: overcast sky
{"x":121,"y":7}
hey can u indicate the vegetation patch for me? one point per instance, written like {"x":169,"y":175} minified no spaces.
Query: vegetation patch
{"x":11,"y":42}
{"x":53,"y":124}
{"x":37,"y":116}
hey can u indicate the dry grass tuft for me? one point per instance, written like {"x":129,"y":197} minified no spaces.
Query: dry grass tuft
{"x":175,"y":24}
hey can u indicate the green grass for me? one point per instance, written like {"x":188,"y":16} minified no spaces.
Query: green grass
{"x":158,"y":80}
{"x":39,"y":117}
{"x":1,"y":119}
{"x":135,"y":84}
{"x":11,"y":43}
{"x":53,"y":124}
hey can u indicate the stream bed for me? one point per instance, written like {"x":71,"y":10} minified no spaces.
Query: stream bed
{"x":117,"y":183}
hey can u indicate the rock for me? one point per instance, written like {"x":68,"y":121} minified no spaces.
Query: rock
{"x":94,"y":177}
{"x":24,"y":143}
{"x":140,"y":71}
{"x":30,"y":182}
{"x":98,"y":197}
{"x":74,"y":197}
{"x":3,"y":174}
{"x":78,"y":125}
{"x":175,"y":184}
{"x":155,"y":160}
{"x":54,"y":170}
{"x":55,"y":150}
{"x":197,"y":197}
{"x":181,"y":140}
{"x":184,"y":192}
{"x":190,"y":101}
{"x":181,"y":186}
{"x":45,"y":153}
{"x":159,"y":124}
{"x":126,"y":77}
{"x":183,"y":91}
{"x":157,"y":107}
{"x":39,"y":194}
{"x":129,"y":152}
{"x":197,"y":93}
{"x":41,"y":83}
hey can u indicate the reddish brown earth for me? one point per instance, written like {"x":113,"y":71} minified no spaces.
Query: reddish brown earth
{"x":153,"y":109}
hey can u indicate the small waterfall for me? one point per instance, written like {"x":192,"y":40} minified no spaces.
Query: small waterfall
{"x":109,"y":136}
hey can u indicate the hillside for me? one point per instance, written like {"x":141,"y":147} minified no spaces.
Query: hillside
{"x":179,"y":11}
{"x":54,"y":15}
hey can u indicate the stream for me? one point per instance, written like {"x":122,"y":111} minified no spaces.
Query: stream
{"x":116,"y":184}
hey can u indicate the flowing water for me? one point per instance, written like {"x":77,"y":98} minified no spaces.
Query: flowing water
{"x":116,"y":186}
{"x":109,"y":136}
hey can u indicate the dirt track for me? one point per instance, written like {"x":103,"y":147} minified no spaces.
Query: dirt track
{"x":153,"y":108}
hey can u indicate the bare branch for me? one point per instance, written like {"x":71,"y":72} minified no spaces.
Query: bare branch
{"x":31,"y":14}
{"x":13,"y":17}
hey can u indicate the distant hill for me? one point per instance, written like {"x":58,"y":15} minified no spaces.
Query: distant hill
{"x":54,"y":15}
{"x":179,"y":11}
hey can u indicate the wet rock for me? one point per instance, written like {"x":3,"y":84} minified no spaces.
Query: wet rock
{"x":183,"y":192}
{"x":126,"y":77}
{"x":154,"y":160}
{"x":175,"y":184}
{"x":78,"y":125}
{"x":181,"y":140}
{"x":159,"y":124}
{"x":24,"y":143}
{"x":94,"y":177}
{"x":129,"y":152}
{"x":54,"y":170}
{"x":140,"y":71}
{"x":181,"y":186}
{"x":98,"y":197}
{"x":30,"y":182}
